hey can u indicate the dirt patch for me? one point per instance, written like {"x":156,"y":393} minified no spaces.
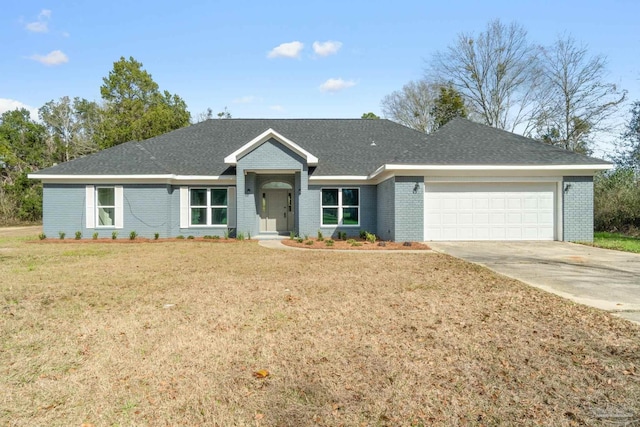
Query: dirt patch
{"x":355,"y":245}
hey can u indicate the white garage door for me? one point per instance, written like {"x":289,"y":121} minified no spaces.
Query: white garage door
{"x":491,"y":211}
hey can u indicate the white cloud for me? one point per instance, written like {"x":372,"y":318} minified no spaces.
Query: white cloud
{"x":11,"y":104}
{"x":336,"y":85}
{"x":276,"y":108}
{"x":55,"y":57}
{"x":41,"y":25}
{"x":326,"y":48}
{"x":286,"y":50}
{"x":247,"y":99}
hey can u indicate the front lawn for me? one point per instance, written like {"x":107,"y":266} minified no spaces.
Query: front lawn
{"x":616,"y":241}
{"x":202,"y":333}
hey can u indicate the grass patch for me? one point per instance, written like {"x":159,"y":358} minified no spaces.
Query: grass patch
{"x":155,"y":334}
{"x":616,"y":241}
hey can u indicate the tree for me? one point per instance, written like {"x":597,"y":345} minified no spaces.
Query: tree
{"x":135,"y":109}
{"x":412,"y":106}
{"x":23,"y":149}
{"x":71,"y":127}
{"x":629,"y":155}
{"x":448,"y":105}
{"x":496,"y":72}
{"x":205,"y":115}
{"x":369,"y":116}
{"x":576,"y":101}
{"x":224,"y":114}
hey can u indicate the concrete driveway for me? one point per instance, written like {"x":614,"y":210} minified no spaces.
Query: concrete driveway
{"x":601,"y":278}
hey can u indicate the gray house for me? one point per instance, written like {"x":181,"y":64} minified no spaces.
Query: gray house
{"x":265,"y":177}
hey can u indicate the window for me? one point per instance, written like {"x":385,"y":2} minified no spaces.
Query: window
{"x":208,"y":206}
{"x":341,"y":206}
{"x":106,"y":206}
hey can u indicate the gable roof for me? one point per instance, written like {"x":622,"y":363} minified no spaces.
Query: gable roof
{"x":353,"y":147}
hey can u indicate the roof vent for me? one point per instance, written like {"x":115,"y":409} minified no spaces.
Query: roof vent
{"x":373,"y":143}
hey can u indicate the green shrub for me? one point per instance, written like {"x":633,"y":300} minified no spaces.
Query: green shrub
{"x":42,"y":236}
{"x":292,"y":235}
{"x":156,"y":236}
{"x":95,"y":236}
{"x":356,"y":243}
{"x":370,"y":237}
{"x":114,"y":235}
{"x":363,"y":234}
{"x":320,"y":236}
{"x":351,"y":241}
{"x":342,"y":235}
{"x":240,"y":236}
{"x":133,"y":235}
{"x":226,"y":234}
{"x":299,"y":240}
{"x":329,"y":242}
{"x":180,"y":236}
{"x":617,"y":201}
{"x":215,"y":237}
{"x":78,"y":235}
{"x":61,"y":234}
{"x":190,"y":237}
{"x":309,"y":242}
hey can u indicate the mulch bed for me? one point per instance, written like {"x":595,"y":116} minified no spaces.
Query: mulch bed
{"x":357,"y":245}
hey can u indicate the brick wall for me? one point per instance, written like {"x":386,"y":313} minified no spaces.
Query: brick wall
{"x":577,"y":208}
{"x":409,"y":208}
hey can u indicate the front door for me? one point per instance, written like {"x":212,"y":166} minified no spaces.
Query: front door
{"x":276,"y":213}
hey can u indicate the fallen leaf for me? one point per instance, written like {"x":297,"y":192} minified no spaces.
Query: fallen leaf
{"x":262,"y":373}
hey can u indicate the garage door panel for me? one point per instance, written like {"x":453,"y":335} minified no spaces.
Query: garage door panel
{"x":490,"y":211}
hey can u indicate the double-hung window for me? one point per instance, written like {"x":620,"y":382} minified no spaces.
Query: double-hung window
{"x":106,"y":206}
{"x":208,"y":206}
{"x":341,"y":206}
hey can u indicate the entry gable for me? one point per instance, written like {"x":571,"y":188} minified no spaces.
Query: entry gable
{"x":232,"y":159}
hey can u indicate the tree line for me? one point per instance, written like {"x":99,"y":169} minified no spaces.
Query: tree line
{"x":132,"y":107}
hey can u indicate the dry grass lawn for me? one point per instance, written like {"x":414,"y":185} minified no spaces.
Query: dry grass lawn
{"x":173,"y":333}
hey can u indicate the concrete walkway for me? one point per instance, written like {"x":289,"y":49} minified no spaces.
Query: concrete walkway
{"x":601,"y":278}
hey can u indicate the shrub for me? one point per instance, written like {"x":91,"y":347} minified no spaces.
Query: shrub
{"x":292,"y":235}
{"x":351,"y":241}
{"x":356,"y":243}
{"x":370,"y":237}
{"x":78,"y":235}
{"x":114,"y":235}
{"x":240,"y":236}
{"x":190,"y":237}
{"x":61,"y":234}
{"x":42,"y":236}
{"x":156,"y":236}
{"x":95,"y":236}
{"x":180,"y":236}
{"x":133,"y":235}
{"x":329,"y":242}
{"x":617,"y":201}
{"x":299,"y":240}
{"x":363,"y":234}
{"x":320,"y":236}
{"x":309,"y":242}
{"x":342,"y":235}
{"x":226,"y":234}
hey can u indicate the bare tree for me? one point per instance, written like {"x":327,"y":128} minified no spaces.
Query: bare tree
{"x":578,"y":103}
{"x":496,"y":72}
{"x":412,"y":106}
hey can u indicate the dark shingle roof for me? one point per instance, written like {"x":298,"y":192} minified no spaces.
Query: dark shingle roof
{"x":343,"y":146}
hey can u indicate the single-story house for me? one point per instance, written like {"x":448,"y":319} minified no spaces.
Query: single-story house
{"x":267,"y":177}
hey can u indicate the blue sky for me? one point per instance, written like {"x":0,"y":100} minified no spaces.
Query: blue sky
{"x":258,"y":58}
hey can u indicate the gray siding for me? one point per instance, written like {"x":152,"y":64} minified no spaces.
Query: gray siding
{"x":63,"y":209}
{"x":386,"y":210}
{"x":147,"y":209}
{"x":409,"y":208}
{"x":312,"y":211}
{"x":577,"y":207}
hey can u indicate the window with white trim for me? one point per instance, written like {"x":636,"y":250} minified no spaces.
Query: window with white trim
{"x":105,"y":206}
{"x":341,"y":206}
{"x":208,"y":206}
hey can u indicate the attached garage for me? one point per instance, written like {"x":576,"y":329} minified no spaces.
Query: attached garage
{"x":491,"y":211}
